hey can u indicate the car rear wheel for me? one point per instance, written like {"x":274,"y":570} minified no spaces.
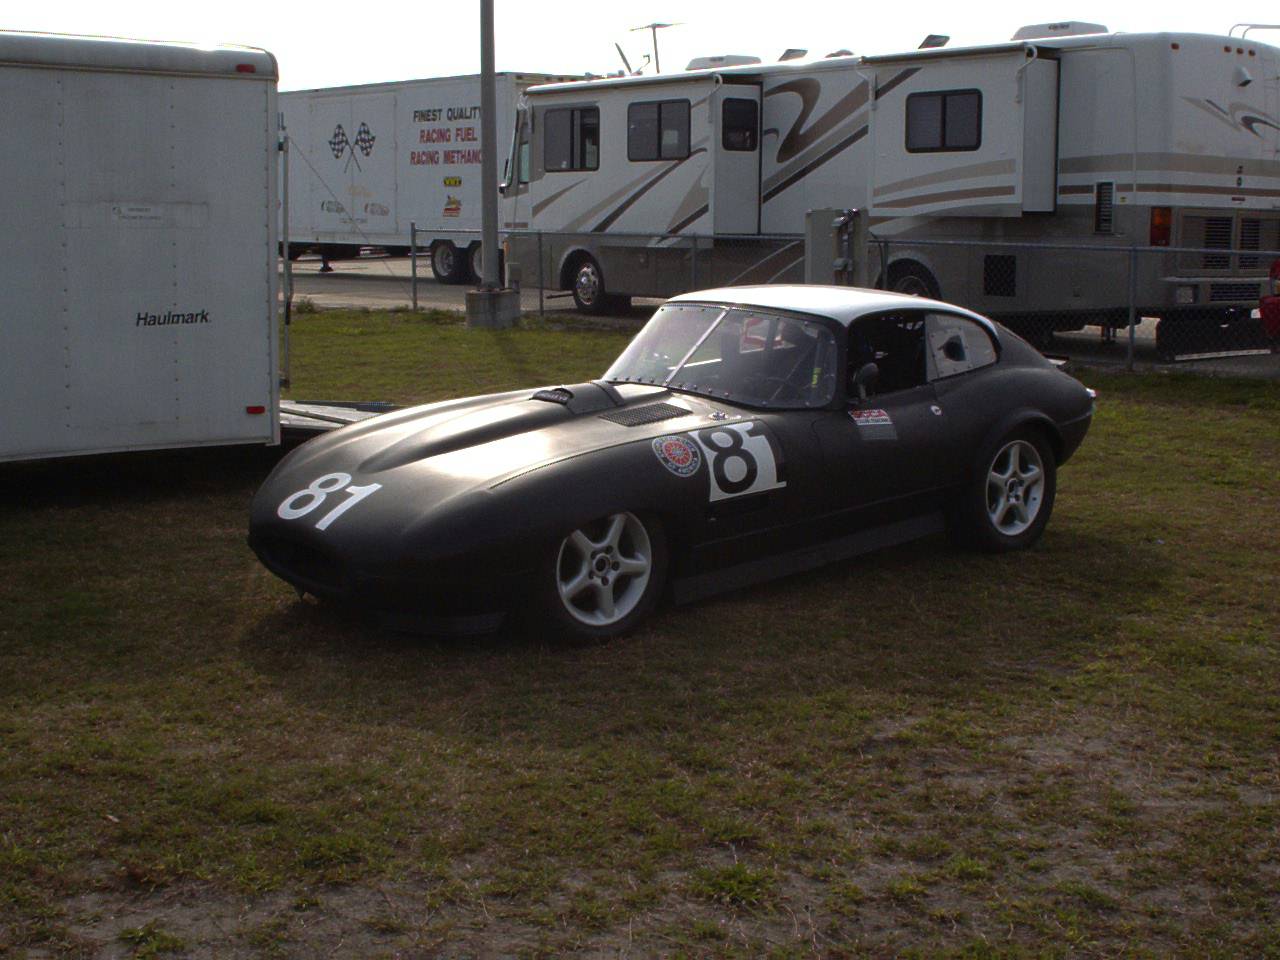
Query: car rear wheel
{"x":606,"y":576}
{"x":1010,"y":497}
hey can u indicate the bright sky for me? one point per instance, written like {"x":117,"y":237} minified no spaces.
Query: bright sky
{"x":330,"y":44}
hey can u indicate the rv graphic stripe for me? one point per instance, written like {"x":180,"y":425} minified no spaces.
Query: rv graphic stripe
{"x":814,"y":165}
{"x":622,"y":208}
{"x":700,"y":212}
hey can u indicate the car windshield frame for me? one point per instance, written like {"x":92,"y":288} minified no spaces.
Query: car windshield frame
{"x":718,"y":314}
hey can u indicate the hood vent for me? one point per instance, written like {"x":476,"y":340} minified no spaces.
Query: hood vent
{"x":649,"y":413}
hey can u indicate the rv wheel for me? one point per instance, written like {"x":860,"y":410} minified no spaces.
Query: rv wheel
{"x":447,"y":264}
{"x":476,"y":257}
{"x":588,"y":288}
{"x":912,"y":279}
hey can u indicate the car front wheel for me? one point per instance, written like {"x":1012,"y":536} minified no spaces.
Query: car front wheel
{"x":606,"y":577}
{"x":1010,"y":497}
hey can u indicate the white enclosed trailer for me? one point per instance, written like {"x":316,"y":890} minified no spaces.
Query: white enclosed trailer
{"x":137,"y":255}
{"x":1065,"y":135}
{"x":367,"y":161}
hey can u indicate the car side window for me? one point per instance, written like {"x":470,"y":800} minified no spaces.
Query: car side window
{"x":956,"y":345}
{"x":895,"y":343}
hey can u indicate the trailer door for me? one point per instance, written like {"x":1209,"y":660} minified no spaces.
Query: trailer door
{"x":735,"y":191}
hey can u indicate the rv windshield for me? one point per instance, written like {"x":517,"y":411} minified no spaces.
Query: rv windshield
{"x":745,"y":356}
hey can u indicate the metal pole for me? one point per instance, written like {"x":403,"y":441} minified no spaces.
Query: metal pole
{"x":413,"y":262}
{"x":488,"y":151}
{"x":288,"y":264}
{"x":1133,"y":306}
{"x":542,"y":306}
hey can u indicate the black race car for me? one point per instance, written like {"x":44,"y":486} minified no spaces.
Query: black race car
{"x":745,"y":433}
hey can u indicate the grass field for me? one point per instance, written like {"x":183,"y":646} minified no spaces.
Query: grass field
{"x":1074,"y":751}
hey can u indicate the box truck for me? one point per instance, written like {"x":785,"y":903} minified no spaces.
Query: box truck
{"x":367,"y":161}
{"x":137,"y":259}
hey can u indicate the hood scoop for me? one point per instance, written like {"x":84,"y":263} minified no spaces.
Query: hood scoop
{"x":649,"y":413}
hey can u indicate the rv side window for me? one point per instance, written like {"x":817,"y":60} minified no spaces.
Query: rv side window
{"x":740,"y":124}
{"x":944,"y":120}
{"x":571,"y":139}
{"x":658,"y":130}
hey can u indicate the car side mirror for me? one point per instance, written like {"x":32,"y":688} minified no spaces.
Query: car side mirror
{"x":865,"y":379}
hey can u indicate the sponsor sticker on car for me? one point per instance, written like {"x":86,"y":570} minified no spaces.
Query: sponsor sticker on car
{"x":678,"y":455}
{"x":874,"y":424}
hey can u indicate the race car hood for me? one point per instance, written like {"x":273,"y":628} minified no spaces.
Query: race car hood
{"x":435,"y":466}
{"x":486,"y":440}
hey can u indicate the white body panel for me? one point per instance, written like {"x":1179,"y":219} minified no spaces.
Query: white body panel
{"x":366,"y":161}
{"x":140,"y":289}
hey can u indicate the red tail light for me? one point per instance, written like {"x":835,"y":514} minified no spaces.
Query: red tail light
{"x":246,"y":68}
{"x":1161,"y":226}
{"x":255,"y":409}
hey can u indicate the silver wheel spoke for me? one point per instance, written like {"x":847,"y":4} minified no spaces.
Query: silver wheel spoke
{"x":604,"y":601}
{"x":575,"y":586}
{"x":582,"y":544}
{"x":1020,"y":512}
{"x":632,"y":566}
{"x":616,"y":526}
{"x":998,"y":511}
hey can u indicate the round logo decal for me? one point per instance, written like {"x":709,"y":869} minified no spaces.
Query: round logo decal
{"x":678,"y":455}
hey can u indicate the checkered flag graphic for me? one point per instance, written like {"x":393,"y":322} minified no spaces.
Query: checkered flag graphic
{"x":339,"y":142}
{"x":364,"y":139}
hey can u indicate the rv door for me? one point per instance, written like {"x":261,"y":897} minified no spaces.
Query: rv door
{"x":735,"y":148}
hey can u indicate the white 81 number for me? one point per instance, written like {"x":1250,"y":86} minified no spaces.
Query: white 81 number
{"x":304,"y":501}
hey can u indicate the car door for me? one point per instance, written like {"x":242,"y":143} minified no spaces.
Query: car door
{"x":884,"y":454}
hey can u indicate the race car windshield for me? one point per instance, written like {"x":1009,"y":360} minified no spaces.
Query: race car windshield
{"x":746,"y":356}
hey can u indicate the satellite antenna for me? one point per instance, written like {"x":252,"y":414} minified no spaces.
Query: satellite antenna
{"x":653,"y":29}
{"x":625,"y":62}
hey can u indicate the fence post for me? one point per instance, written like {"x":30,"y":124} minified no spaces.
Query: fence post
{"x":413,"y":262}
{"x":1133,"y":306}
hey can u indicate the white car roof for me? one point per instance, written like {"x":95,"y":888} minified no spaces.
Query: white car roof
{"x":842,"y":304}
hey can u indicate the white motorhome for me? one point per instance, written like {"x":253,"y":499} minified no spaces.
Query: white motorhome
{"x":138,"y":256}
{"x":1061,"y":135}
{"x":367,"y":161}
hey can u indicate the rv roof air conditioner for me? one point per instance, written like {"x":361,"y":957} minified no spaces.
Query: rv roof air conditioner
{"x":839,"y":53}
{"x":792,"y":53}
{"x":1063,"y":28}
{"x":933,"y":41}
{"x":728,"y":60}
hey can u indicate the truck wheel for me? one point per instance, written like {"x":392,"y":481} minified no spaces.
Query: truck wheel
{"x":447,"y":264}
{"x":476,"y":258}
{"x":913,"y":279}
{"x":588,"y":288}
{"x":605,"y":577}
{"x":1007,"y":503}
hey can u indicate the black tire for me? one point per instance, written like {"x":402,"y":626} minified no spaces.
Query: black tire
{"x":580,"y":617}
{"x":911,"y":278}
{"x":978,"y":520}
{"x":447,"y":263}
{"x":587,"y":284}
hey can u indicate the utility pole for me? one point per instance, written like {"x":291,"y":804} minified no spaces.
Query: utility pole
{"x":489,"y":151}
{"x":489,"y":306}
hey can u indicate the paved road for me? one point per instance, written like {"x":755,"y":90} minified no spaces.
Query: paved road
{"x":384,"y":283}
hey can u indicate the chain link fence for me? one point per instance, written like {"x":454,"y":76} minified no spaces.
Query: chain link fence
{"x":1121,"y":304}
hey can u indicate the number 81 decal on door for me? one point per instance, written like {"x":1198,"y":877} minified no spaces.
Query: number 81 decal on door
{"x":740,"y":458}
